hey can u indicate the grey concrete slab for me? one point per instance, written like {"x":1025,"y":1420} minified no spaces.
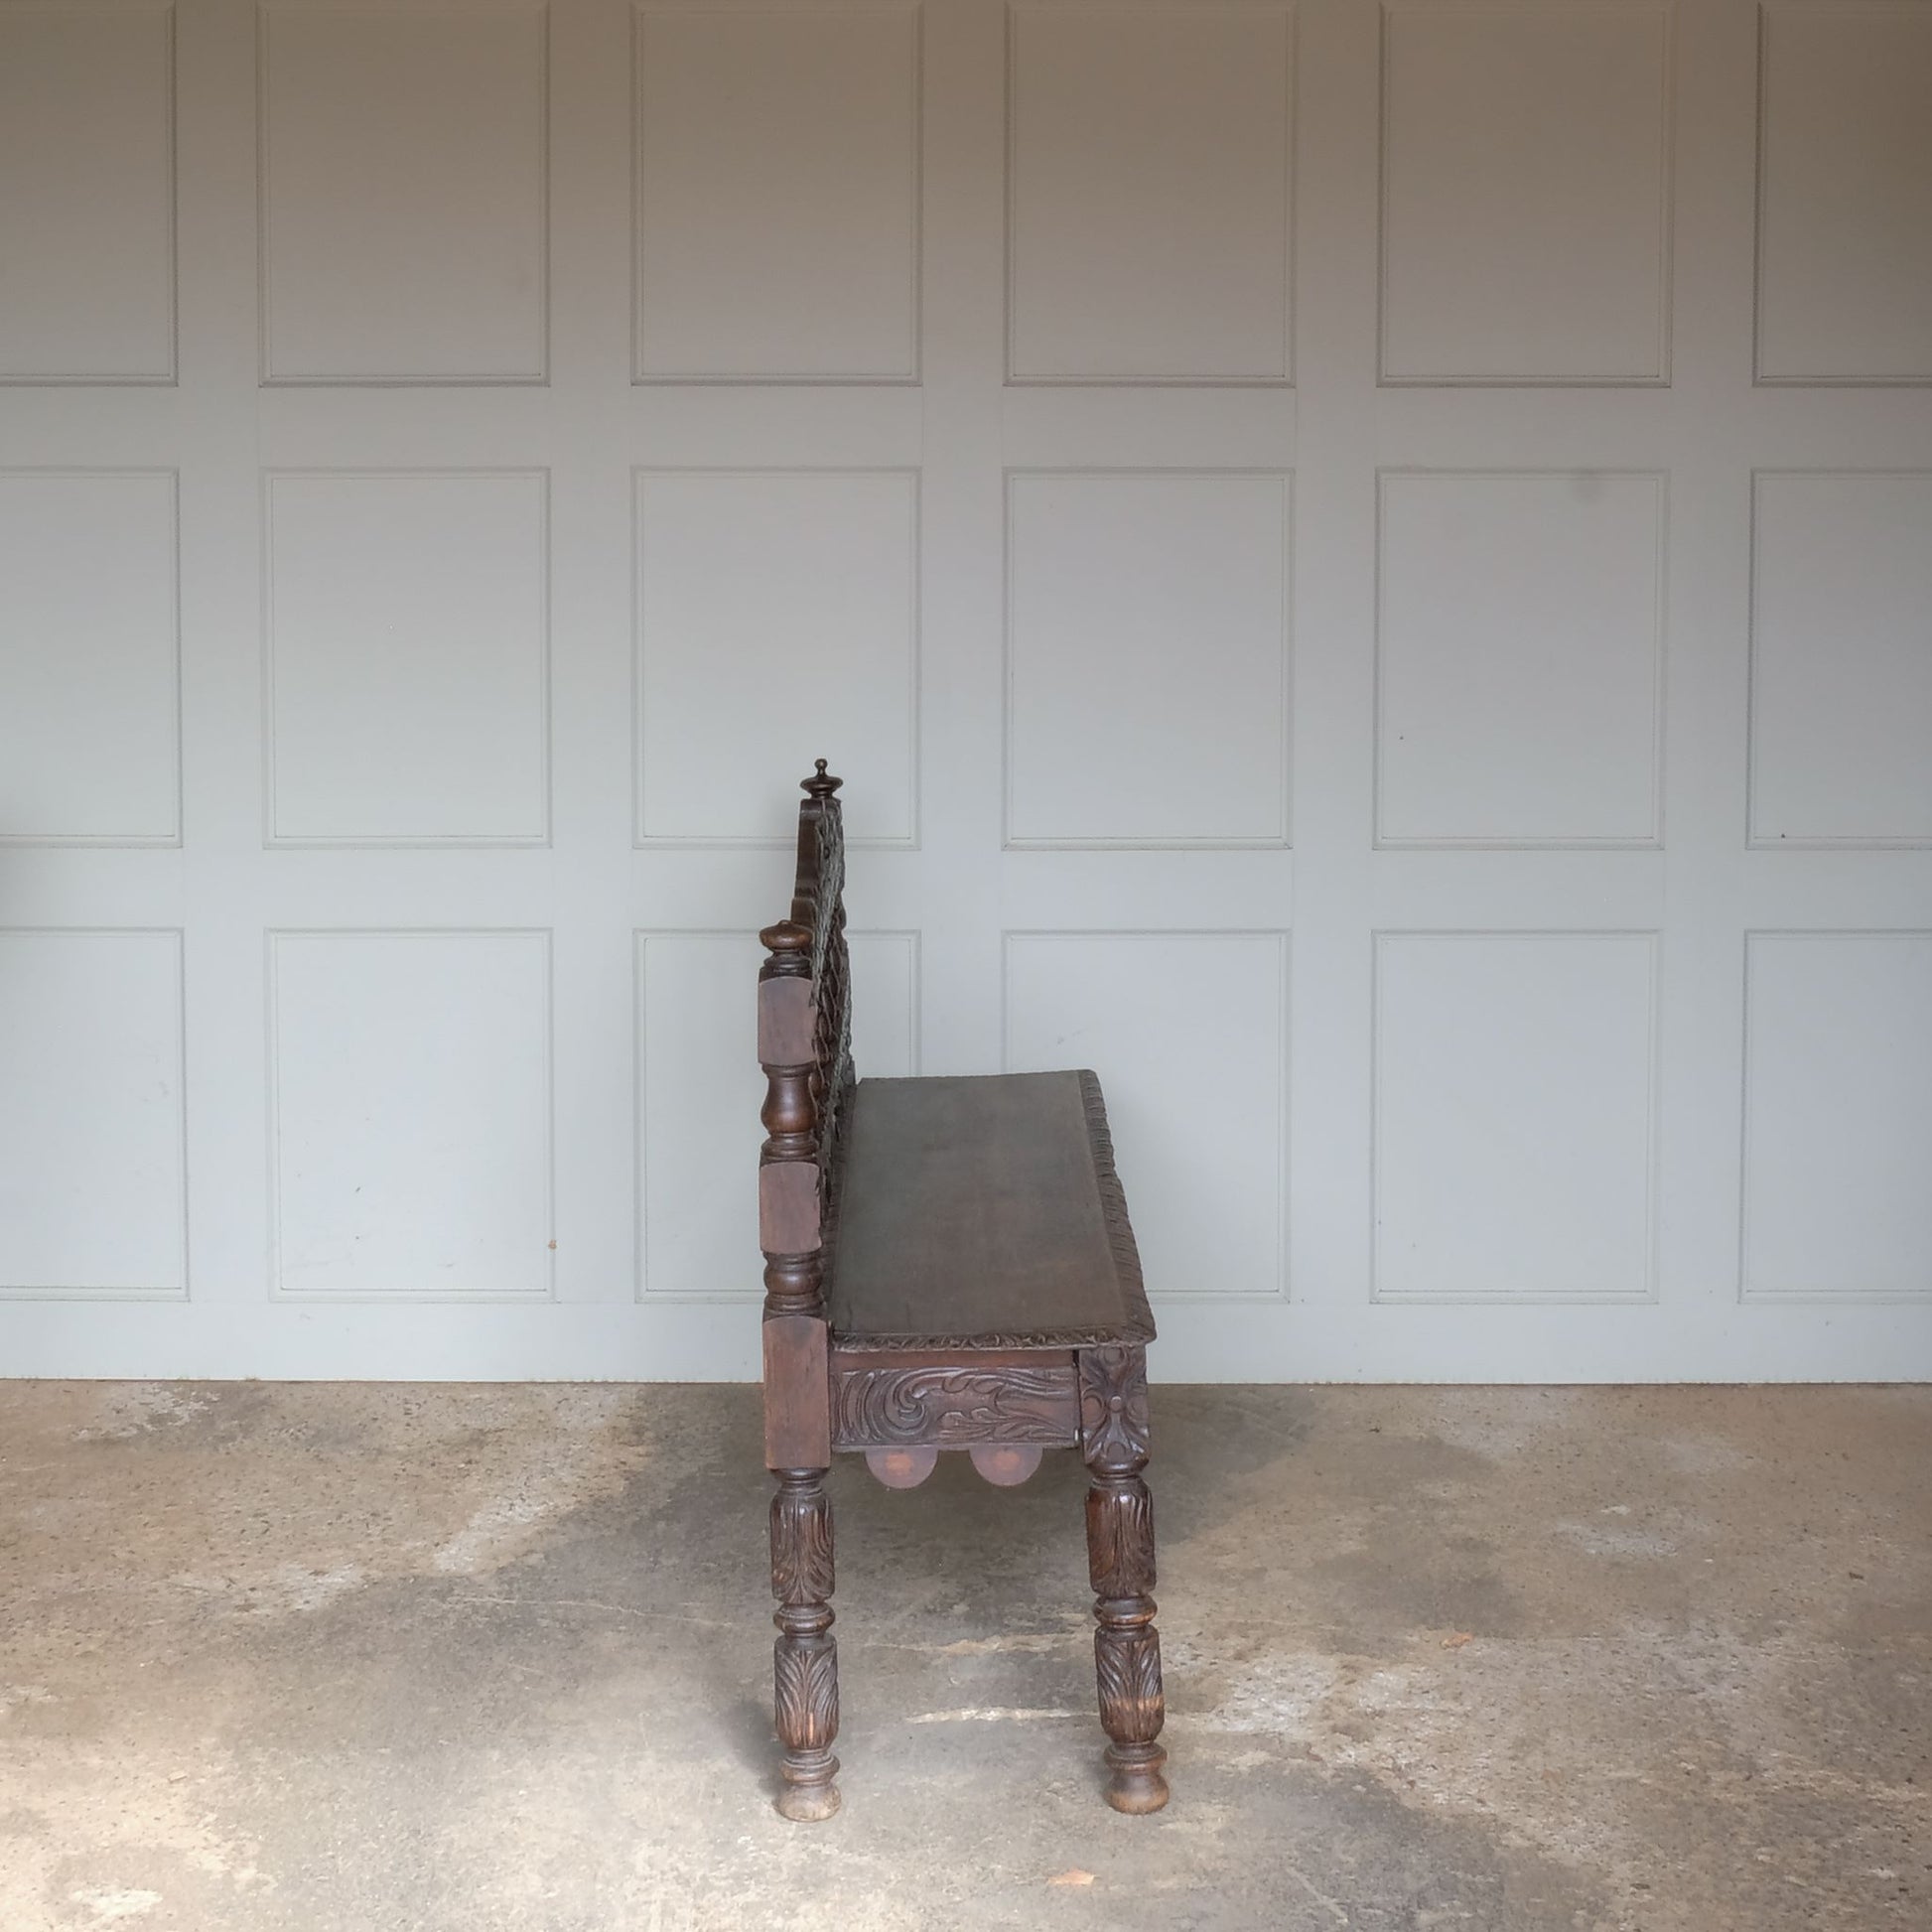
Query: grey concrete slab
{"x":353,"y":1658}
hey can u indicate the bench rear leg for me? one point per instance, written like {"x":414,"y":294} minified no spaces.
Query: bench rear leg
{"x":1120,"y":1561}
{"x":805,"y":1659}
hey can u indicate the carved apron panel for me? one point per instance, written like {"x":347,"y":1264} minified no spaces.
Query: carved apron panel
{"x":945,"y":1405}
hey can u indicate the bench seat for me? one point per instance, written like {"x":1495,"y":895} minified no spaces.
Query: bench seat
{"x":981,"y":1212}
{"x":948,"y":1267}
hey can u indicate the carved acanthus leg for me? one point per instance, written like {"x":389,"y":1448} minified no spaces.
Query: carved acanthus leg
{"x":805,"y":1660}
{"x":1120,"y":1561}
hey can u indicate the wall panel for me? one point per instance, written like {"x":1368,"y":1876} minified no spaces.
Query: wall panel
{"x":1515,"y":1105}
{"x":407,"y":666}
{"x":1841,"y":659}
{"x":88,"y":221}
{"x":89,"y":659}
{"x":1845,"y":195}
{"x":1520,"y":659}
{"x":1838,"y":1113}
{"x":91,"y":1111}
{"x":1147,"y":660}
{"x":404,"y":188}
{"x":410,"y":1113}
{"x":1525,"y":185}
{"x":1149,"y":194}
{"x":778,"y":611}
{"x":777,"y":195}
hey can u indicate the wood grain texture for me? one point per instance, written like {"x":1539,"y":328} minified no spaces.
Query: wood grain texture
{"x":983,"y":1212}
{"x":797,"y":1413}
{"x":788,"y":1205}
{"x":785,"y":1024}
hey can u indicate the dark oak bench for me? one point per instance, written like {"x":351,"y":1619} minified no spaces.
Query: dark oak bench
{"x":948,"y":1265}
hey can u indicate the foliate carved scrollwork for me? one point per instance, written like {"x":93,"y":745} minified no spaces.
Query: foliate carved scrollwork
{"x":1120,"y":1538}
{"x":876,"y":1406}
{"x":831,"y":966}
{"x":1114,"y":1423}
{"x":805,"y":1690}
{"x":818,"y":909}
{"x":1114,"y":1438}
{"x":805,"y":1659}
{"x":1126,"y":1646}
{"x":1127,"y":1668}
{"x":801,"y":1546}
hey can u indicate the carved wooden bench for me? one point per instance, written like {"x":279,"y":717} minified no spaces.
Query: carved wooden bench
{"x":948,"y":1265}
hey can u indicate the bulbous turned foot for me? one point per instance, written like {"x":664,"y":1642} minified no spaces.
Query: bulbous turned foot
{"x":1137,"y":1786}
{"x":808,"y":1794}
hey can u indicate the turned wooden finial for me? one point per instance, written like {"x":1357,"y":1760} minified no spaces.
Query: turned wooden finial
{"x":821,"y":784}
{"x":790,"y":946}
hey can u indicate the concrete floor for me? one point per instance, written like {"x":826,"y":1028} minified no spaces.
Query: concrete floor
{"x":362,"y":1658}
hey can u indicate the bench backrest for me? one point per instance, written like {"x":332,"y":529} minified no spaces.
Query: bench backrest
{"x":806,"y":1049}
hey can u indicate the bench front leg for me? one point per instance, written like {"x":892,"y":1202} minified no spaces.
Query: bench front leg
{"x":805,"y":1659}
{"x":1120,"y":1561}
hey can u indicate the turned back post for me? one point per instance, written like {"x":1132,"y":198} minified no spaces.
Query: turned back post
{"x":805,"y":1049}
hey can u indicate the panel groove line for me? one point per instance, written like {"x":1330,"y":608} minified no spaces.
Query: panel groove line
{"x":1136,"y":1113}
{"x":481,"y":1115}
{"x":11,"y":759}
{"x":1473,"y":1135}
{"x":1138,"y":760}
{"x":1279,"y":371}
{"x":907,"y":372}
{"x":725,"y":1071}
{"x":1476,"y":763}
{"x":119,"y":1212}
{"x":1841,"y":1160}
{"x":1560,"y":211}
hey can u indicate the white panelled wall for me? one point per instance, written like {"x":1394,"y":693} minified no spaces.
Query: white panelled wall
{"x":1368,"y":569}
